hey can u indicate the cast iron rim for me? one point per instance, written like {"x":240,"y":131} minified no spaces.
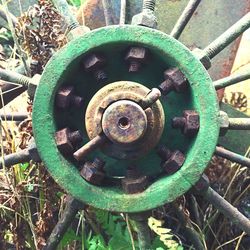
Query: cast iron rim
{"x":167,"y":188}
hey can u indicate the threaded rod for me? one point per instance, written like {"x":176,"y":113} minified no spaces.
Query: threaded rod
{"x":230,"y":80}
{"x":149,"y":5}
{"x":227,"y":37}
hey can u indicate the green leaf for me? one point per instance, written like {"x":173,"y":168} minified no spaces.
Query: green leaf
{"x":96,"y":243}
{"x":76,"y":3}
{"x":119,"y":243}
{"x":24,"y":166}
{"x":157,"y":243}
{"x":69,"y":237}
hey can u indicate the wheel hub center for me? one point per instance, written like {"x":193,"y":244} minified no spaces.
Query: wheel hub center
{"x":124,"y":122}
{"x":131,"y":130}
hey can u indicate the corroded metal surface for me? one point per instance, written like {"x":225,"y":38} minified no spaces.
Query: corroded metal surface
{"x":237,"y":141}
{"x":124,"y":122}
{"x":210,"y":19}
{"x":150,"y":122}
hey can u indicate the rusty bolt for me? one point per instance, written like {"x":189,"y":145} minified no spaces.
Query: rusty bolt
{"x":134,"y":182}
{"x":202,"y":185}
{"x":175,"y":80}
{"x":174,"y":161}
{"x":164,"y":152}
{"x":145,"y":18}
{"x":203,"y":57}
{"x":66,"y":140}
{"x":136,"y":57}
{"x":94,"y":63}
{"x":65,"y":98}
{"x":93,"y":171}
{"x":224,"y":123}
{"x":189,"y":123}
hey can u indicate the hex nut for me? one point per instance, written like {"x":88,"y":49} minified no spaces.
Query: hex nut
{"x":139,"y":54}
{"x":63,"y":142}
{"x":174,"y":80}
{"x":92,"y":174}
{"x":145,"y":18}
{"x":202,"y":185}
{"x":33,"y":85}
{"x":34,"y":156}
{"x":76,"y":32}
{"x":192,"y":124}
{"x":224,"y":123}
{"x":174,"y":163}
{"x":178,"y":79}
{"x":93,"y":62}
{"x":134,"y":185}
{"x":204,"y":59}
{"x":63,"y":97}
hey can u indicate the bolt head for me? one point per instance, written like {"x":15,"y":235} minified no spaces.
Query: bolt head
{"x":204,"y":59}
{"x":202,"y":185}
{"x":145,"y":18}
{"x":134,"y":185}
{"x":93,"y":62}
{"x":224,"y":123}
{"x":192,"y":125}
{"x":139,"y":54}
{"x":63,"y":141}
{"x":92,"y":174}
{"x":174,"y":163}
{"x":33,"y":151}
{"x":63,"y":97}
{"x":177,"y":79}
{"x":33,"y":85}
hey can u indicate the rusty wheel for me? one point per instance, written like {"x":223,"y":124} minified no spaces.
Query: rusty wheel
{"x":121,"y":116}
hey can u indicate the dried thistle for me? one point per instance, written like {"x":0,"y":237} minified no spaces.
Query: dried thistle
{"x":40,"y":32}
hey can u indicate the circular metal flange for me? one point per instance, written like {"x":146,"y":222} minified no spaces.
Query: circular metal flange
{"x":203,"y":100}
{"x":117,"y":102}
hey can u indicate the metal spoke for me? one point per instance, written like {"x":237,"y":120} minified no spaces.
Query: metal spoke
{"x":10,"y":92}
{"x":188,"y":227}
{"x":219,"y":151}
{"x":14,"y":116}
{"x":228,"y":210}
{"x":92,"y":145}
{"x":123,"y":12}
{"x":11,"y":76}
{"x":239,"y":123}
{"x":151,"y":98}
{"x":22,"y":156}
{"x":69,"y":213}
{"x":27,"y":82}
{"x":143,"y":231}
{"x":232,"y":213}
{"x":230,"y":80}
{"x":184,"y":18}
{"x":227,"y":37}
{"x":107,"y":14}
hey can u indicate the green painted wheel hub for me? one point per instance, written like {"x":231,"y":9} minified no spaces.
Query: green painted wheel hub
{"x":66,"y":69}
